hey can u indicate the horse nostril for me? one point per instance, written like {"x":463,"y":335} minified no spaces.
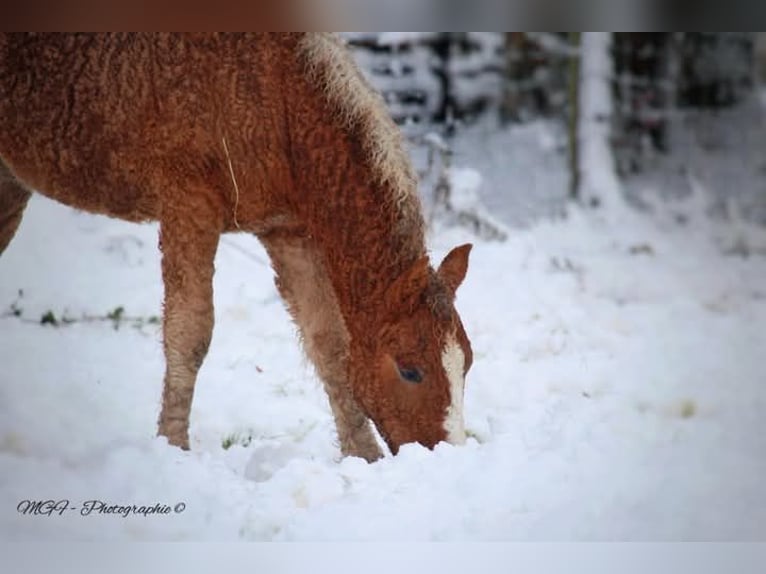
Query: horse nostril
{"x":411,"y":375}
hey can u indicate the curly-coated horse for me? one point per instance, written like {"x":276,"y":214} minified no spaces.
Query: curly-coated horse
{"x":277,"y":135}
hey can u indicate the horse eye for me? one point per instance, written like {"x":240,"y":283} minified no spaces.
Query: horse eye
{"x":411,"y":375}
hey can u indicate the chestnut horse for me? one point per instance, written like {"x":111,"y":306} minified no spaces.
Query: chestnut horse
{"x":277,"y":135}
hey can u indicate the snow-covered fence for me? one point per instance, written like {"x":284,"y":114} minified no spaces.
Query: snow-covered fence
{"x":476,"y":68}
{"x":432,"y":79}
{"x":406,"y":70}
{"x":536,"y":81}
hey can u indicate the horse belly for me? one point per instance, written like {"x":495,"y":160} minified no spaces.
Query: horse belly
{"x":88,"y":186}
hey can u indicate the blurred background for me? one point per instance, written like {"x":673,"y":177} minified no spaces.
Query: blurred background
{"x":677,"y":111}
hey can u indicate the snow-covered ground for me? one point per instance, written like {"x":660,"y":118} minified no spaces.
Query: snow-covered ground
{"x":618,"y":392}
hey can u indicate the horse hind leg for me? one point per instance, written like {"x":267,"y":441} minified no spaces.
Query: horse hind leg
{"x":303,"y":283}
{"x":188,"y":241}
{"x":13,"y":201}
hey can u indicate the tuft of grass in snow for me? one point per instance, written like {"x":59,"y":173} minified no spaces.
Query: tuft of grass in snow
{"x":49,"y":318}
{"x":15,"y":309}
{"x":236,"y":438}
{"x":116,"y":317}
{"x":688,"y":409}
{"x":470,"y":433}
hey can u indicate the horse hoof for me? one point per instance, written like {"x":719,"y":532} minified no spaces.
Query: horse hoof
{"x":370,"y":454}
{"x":179,"y":440}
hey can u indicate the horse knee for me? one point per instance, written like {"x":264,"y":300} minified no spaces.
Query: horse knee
{"x":199,"y":352}
{"x":328,"y":351}
{"x":188,"y":337}
{"x":187,"y":271}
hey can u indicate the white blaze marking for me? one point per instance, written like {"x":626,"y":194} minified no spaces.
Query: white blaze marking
{"x":453,"y":361}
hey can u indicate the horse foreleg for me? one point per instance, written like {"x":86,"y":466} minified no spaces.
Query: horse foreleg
{"x":354,"y":431}
{"x":188,"y":242}
{"x":303,"y":283}
{"x":13,"y":200}
{"x":326,"y":343}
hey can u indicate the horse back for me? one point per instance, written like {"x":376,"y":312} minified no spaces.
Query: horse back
{"x":110,"y":123}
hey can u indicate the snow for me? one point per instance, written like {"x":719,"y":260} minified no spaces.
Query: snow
{"x":617,"y":392}
{"x":523,"y":169}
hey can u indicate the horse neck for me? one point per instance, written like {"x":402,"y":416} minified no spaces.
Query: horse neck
{"x":367,"y":229}
{"x":366,"y":239}
{"x":366,"y":245}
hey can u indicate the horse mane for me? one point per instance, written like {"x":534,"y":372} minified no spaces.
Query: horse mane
{"x":331,"y":66}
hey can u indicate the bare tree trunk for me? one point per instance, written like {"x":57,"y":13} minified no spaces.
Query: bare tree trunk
{"x":599,"y":184}
{"x":574,"y":112}
{"x":760,"y":59}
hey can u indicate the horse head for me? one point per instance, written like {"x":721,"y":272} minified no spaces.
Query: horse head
{"x":408,"y":373}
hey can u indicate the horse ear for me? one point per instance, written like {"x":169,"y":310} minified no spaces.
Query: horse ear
{"x":453,"y":269}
